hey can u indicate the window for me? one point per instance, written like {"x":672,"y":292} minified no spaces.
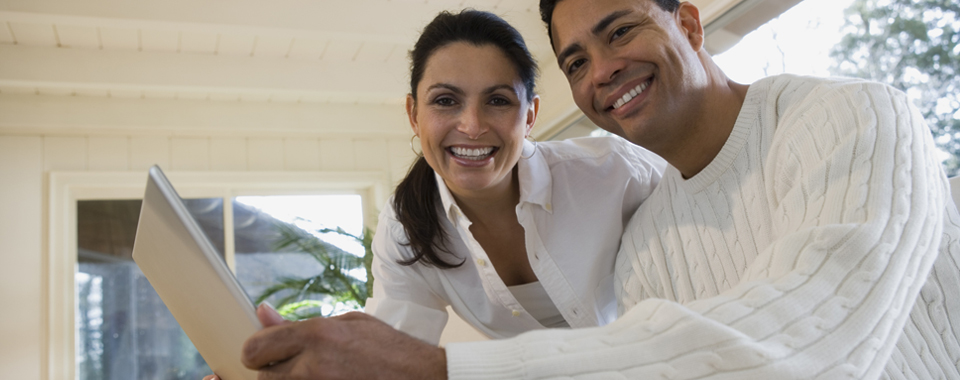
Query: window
{"x":120,"y":327}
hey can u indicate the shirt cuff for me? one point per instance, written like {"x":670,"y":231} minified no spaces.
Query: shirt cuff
{"x":492,"y":359}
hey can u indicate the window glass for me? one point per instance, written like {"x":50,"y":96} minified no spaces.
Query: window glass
{"x":124,"y":331}
{"x":285,"y":258}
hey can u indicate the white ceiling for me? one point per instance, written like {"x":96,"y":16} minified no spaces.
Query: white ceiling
{"x":319,"y":57}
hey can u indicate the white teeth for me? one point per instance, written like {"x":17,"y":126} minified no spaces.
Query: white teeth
{"x":630,"y":95}
{"x":472,"y":154}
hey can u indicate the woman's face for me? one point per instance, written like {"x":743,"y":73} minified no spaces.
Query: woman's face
{"x":472,"y":115}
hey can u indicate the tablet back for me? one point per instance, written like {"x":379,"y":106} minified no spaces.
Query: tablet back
{"x":192,"y":280}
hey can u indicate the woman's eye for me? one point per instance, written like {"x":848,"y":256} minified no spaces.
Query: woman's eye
{"x":444,"y":101}
{"x":500,"y":102}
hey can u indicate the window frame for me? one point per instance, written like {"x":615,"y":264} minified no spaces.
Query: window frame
{"x":66,"y":188}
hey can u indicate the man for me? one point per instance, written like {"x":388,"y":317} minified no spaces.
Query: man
{"x":789,"y":238}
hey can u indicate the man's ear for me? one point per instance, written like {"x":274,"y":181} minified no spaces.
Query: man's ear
{"x":688,"y":17}
{"x":412,"y":114}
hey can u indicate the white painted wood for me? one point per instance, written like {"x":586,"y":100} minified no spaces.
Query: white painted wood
{"x":146,"y":151}
{"x":64,"y":153}
{"x":203,"y":69}
{"x":77,"y":114}
{"x":337,"y":154}
{"x":399,"y":159}
{"x":301,"y":154}
{"x":374,"y":51}
{"x":120,"y":39}
{"x":307,"y":49}
{"x":189,"y":153}
{"x":79,"y":37}
{"x":228,"y":153}
{"x":152,"y":40}
{"x":341,"y":51}
{"x":265,"y":154}
{"x":198,"y":42}
{"x":371,"y":154}
{"x":21,"y":215}
{"x":108,"y":153}
{"x":236,"y":44}
{"x":272,"y":47}
{"x":33,"y":34}
{"x":5,"y":36}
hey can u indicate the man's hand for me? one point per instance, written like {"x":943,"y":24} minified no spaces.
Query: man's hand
{"x":350,"y":346}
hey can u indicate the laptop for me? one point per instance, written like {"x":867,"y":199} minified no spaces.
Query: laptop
{"x":193,"y":280}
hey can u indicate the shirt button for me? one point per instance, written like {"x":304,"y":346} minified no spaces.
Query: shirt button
{"x":549,"y":207}
{"x":481,"y":262}
{"x":516,"y":313}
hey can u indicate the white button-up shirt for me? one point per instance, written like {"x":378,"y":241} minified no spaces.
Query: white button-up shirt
{"x":576,"y":196}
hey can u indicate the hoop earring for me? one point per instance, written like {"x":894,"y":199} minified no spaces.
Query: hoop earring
{"x":420,"y":153}
{"x":530,"y":137}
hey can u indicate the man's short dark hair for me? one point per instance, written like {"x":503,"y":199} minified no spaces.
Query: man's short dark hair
{"x":547,"y":6}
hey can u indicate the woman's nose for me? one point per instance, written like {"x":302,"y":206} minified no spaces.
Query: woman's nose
{"x":471,"y":123}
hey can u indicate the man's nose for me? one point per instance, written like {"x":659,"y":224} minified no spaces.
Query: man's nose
{"x":605,"y":68}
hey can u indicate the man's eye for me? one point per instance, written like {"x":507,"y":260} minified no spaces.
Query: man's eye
{"x":573,"y":66}
{"x":619,"y":32}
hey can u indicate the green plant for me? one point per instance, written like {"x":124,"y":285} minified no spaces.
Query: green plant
{"x":335,"y":282}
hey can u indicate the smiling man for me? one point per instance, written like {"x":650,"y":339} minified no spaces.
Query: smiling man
{"x":791,"y":237}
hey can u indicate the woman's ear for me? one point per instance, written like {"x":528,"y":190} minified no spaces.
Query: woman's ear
{"x":532,"y":113}
{"x":412,"y":114}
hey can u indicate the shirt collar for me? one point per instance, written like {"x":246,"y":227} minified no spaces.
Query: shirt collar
{"x":536,"y":182}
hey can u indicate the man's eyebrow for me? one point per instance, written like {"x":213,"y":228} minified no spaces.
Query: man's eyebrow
{"x":606,"y":21}
{"x":596,"y":30}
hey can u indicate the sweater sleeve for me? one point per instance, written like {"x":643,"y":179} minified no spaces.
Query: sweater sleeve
{"x":855,"y":199}
{"x":402,"y":297}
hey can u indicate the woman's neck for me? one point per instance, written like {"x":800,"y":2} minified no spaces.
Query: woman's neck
{"x":491,"y":203}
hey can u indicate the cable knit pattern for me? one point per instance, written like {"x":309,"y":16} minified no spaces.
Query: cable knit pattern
{"x":798,"y":253}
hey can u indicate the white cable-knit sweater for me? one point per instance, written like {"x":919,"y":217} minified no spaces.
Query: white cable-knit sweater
{"x":797,"y":253}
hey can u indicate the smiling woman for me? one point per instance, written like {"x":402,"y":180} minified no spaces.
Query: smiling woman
{"x":513,"y":235}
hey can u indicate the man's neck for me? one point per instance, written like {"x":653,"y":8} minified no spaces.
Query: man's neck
{"x":722,"y":104}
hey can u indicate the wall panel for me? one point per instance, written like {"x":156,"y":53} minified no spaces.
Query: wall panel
{"x":370,"y":154}
{"x":108,"y":153}
{"x":337,"y":154}
{"x":146,"y":151}
{"x":189,"y":153}
{"x":265,"y":153}
{"x":64,"y":153}
{"x":228,"y":153}
{"x":301,"y":153}
{"x":21,"y":247}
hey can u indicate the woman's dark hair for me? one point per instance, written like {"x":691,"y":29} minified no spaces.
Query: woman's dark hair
{"x":547,"y":6}
{"x":415,"y":200}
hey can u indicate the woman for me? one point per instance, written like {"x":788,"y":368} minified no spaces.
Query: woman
{"x":513,"y":235}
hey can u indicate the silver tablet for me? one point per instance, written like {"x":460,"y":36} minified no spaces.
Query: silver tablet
{"x":192,"y":280}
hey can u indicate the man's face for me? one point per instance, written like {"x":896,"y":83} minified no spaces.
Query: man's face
{"x":633,"y":67}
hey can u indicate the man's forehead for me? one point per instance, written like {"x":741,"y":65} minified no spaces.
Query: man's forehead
{"x":575,"y":20}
